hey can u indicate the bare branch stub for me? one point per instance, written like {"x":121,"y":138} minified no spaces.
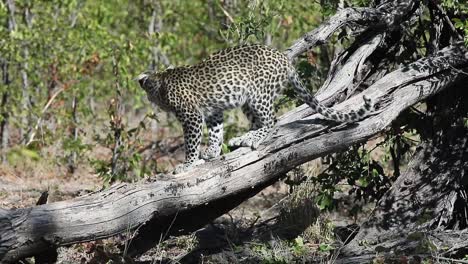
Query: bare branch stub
{"x":381,"y":18}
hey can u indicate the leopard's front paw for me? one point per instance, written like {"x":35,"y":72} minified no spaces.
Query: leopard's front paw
{"x":250,"y":139}
{"x":187,"y":166}
{"x":210,"y":153}
{"x":235,"y":142}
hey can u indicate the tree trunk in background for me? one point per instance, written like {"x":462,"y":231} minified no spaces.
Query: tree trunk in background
{"x":71,"y":159}
{"x":26,"y":99}
{"x":158,"y":57}
{"x":4,"y":135}
{"x":156,"y":25}
{"x":4,"y":124}
{"x":71,"y":164}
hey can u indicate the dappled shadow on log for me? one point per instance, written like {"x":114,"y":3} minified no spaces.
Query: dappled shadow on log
{"x":183,"y":222}
{"x":429,"y":196}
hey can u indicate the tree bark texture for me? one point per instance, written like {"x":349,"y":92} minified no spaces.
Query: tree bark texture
{"x":412,"y":217}
{"x":426,"y":208}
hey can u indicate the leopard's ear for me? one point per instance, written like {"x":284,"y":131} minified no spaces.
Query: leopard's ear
{"x":142,"y":78}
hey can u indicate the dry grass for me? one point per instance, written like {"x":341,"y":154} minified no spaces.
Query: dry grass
{"x":22,"y":184}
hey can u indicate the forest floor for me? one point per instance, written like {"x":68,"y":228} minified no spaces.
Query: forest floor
{"x":280,"y":224}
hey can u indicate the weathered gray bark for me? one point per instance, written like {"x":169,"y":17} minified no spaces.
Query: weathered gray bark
{"x":26,"y":100}
{"x":187,"y":202}
{"x":388,"y":15}
{"x":426,"y":209}
{"x":373,"y":28}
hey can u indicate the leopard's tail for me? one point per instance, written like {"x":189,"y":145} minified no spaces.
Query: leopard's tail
{"x":329,"y":113}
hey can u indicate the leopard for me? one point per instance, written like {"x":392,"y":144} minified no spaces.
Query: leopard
{"x":247,"y":76}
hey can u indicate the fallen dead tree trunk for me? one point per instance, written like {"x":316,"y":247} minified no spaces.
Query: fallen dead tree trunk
{"x":182,"y":204}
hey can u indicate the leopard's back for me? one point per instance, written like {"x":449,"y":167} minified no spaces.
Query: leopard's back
{"x":230,"y":77}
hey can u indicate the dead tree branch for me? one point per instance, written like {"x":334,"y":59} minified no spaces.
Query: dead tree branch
{"x":380,"y":19}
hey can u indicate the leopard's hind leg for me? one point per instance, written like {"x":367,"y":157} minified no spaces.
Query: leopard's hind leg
{"x":261,"y":113}
{"x":214,"y":122}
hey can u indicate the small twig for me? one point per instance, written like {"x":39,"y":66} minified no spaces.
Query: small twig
{"x":129,"y":241}
{"x":39,"y":121}
{"x":170,"y":226}
{"x":170,"y":149}
{"x":252,"y":225}
{"x":226,"y":13}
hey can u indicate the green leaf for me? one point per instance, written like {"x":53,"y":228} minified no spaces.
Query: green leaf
{"x":225,"y":148}
{"x":363,"y":182}
{"x":325,"y":201}
{"x":299,"y":241}
{"x":458,"y":23}
{"x":30,"y":154}
{"x":325,"y":247}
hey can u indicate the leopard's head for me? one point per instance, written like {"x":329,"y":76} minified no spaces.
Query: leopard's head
{"x":149,"y":80}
